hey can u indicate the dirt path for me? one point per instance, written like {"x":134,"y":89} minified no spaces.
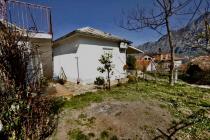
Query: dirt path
{"x":78,"y":89}
{"x":58,"y":90}
{"x":124,"y":120}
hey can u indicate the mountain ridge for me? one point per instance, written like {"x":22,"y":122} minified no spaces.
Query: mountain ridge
{"x":183,"y":38}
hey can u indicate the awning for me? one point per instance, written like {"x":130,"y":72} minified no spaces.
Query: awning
{"x":133,"y":50}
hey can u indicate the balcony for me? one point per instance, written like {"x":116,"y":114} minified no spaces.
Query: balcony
{"x":30,"y":17}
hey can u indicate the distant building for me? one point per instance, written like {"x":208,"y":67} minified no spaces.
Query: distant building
{"x":146,"y":63}
{"x":164,"y":59}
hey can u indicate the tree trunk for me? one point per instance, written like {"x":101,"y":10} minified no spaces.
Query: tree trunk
{"x":171,"y":78}
{"x":206,"y":31}
{"x":109,"y":84}
{"x":136,"y":75}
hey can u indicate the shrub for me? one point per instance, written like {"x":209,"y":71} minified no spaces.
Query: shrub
{"x":131,"y":79}
{"x":114,"y":138}
{"x":196,"y":75}
{"x":125,"y":67}
{"x":77,"y":134}
{"x":194,"y":72}
{"x":24,"y":114}
{"x":99,"y":81}
{"x":61,"y":81}
{"x":104,"y":134}
{"x":44,"y":82}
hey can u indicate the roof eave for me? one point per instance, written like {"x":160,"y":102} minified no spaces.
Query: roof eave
{"x":92,"y":35}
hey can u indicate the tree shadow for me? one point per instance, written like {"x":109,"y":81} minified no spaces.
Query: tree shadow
{"x":188,"y":122}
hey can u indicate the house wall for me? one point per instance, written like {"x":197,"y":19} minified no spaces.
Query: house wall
{"x":151,"y":67}
{"x":88,"y":51}
{"x":177,"y":63}
{"x":166,"y":65}
{"x":45,"y":52}
{"x":64,"y":58}
{"x":146,"y":57}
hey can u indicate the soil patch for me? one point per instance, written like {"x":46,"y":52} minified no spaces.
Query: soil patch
{"x":124,"y":120}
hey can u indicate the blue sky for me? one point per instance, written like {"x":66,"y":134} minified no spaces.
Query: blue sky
{"x":68,"y":15}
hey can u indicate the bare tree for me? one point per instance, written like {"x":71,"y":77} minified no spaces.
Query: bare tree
{"x":193,"y":119}
{"x":204,"y":10}
{"x":159,"y":19}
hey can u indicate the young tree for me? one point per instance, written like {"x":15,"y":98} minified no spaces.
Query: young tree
{"x":24,"y":114}
{"x":158,"y":18}
{"x":107,"y":66}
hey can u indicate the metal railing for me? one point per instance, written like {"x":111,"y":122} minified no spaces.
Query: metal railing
{"x":27,"y":16}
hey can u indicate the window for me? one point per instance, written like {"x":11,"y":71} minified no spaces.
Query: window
{"x":107,"y":49}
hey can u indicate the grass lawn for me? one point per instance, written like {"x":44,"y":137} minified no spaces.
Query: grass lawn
{"x":180,"y":101}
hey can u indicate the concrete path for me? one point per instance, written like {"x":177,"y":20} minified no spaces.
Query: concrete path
{"x":200,"y":86}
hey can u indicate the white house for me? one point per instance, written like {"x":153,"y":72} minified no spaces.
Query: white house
{"x":76,"y":55}
{"x":151,"y":65}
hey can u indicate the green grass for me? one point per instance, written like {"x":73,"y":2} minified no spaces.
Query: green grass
{"x":181,"y":95}
{"x":179,"y":99}
{"x":77,"y":134}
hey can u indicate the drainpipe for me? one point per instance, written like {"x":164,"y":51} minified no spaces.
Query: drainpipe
{"x":126,"y":55}
{"x":78,"y":78}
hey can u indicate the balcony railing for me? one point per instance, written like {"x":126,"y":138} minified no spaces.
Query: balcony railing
{"x":31,"y":17}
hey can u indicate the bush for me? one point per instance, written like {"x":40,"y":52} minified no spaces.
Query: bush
{"x":44,"y":82}
{"x":131,"y":79}
{"x":24,"y":114}
{"x":99,"y":81}
{"x":61,"y":81}
{"x":77,"y":134}
{"x":196,"y":75}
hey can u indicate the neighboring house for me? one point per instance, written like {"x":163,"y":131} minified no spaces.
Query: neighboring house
{"x":164,"y":59}
{"x":76,"y":55}
{"x":37,"y":27}
{"x":146,"y":63}
{"x":147,"y":58}
{"x":158,"y":61}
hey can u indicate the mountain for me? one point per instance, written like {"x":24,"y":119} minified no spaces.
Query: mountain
{"x":183,"y":39}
